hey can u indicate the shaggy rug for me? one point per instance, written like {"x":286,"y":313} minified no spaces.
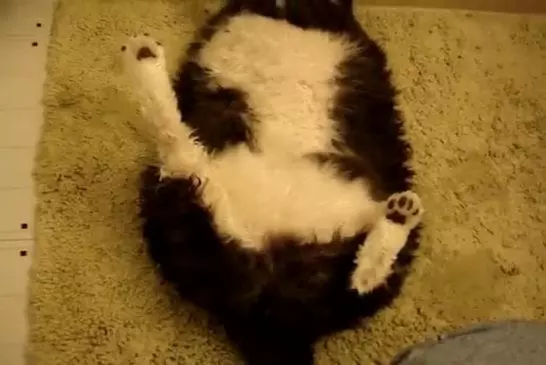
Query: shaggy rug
{"x":474,"y":97}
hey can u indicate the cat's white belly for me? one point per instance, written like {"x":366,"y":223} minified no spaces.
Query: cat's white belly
{"x":254,"y":197}
{"x":288,"y":75}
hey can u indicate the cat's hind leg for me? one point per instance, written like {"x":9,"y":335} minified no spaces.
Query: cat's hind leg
{"x":144,"y":62}
{"x":387,"y":237}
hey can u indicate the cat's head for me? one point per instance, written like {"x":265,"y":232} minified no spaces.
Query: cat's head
{"x":304,"y":13}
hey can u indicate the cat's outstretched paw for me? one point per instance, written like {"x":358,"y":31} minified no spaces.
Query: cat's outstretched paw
{"x":375,"y":257}
{"x":404,"y":209}
{"x":144,"y":63}
{"x":141,"y":53}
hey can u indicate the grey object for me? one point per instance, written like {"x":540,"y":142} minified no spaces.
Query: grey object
{"x":503,"y":343}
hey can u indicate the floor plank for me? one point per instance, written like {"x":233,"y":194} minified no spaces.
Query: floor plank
{"x":20,"y":127}
{"x":16,"y":168}
{"x":17,"y":215}
{"x":13,"y":319}
{"x":12,"y":354}
{"x":14,"y":266}
{"x":24,"y":35}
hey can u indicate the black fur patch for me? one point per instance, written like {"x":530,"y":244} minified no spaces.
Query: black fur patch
{"x":320,"y":14}
{"x":333,"y":16}
{"x":371,"y":127}
{"x":370,"y":124}
{"x":219,"y":116}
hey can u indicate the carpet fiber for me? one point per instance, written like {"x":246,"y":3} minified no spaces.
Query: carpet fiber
{"x":472,"y":90}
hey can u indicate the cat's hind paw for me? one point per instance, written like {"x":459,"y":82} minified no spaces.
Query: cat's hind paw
{"x":405,"y":209}
{"x":375,"y":257}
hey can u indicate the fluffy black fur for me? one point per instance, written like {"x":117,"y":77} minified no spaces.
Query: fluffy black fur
{"x":276,"y":304}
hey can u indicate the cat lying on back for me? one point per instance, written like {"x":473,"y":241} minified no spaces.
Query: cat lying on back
{"x":281,"y":202}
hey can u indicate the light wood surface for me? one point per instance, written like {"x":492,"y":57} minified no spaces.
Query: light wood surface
{"x":24,"y":36}
{"x":517,"y":6}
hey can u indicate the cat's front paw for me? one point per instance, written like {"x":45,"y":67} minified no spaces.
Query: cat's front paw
{"x":142,"y":53}
{"x":405,"y":209}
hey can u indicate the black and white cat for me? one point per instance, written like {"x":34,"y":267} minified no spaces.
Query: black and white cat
{"x":282,"y":199}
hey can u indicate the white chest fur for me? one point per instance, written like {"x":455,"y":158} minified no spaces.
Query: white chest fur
{"x":288,"y":75}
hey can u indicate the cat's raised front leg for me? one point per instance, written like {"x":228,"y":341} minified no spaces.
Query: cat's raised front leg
{"x":179,"y":152}
{"x":385,"y":240}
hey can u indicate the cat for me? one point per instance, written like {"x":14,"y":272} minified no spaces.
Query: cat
{"x":282,"y":199}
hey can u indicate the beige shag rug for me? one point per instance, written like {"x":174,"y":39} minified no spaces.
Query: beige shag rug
{"x":473,"y":90}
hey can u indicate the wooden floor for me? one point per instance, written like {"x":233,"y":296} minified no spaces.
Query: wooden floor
{"x":514,"y":6}
{"x":24,"y":35}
